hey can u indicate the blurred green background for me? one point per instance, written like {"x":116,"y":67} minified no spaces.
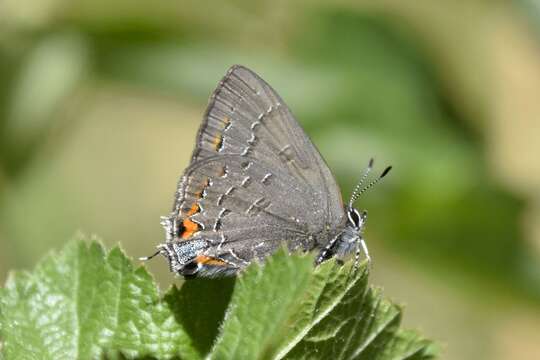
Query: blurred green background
{"x":100,"y":102}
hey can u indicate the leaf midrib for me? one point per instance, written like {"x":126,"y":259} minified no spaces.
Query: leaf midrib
{"x":315,"y":321}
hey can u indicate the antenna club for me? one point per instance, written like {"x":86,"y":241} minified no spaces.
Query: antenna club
{"x":385,"y":172}
{"x":371,"y":161}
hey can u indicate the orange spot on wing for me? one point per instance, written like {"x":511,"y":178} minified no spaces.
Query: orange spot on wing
{"x":190,"y":228}
{"x":207,"y":260}
{"x":218,"y":142}
{"x":194,"y":209}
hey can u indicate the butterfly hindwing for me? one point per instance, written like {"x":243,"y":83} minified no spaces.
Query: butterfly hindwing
{"x":230,"y":200}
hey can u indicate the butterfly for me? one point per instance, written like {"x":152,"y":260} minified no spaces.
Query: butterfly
{"x":256,"y":182}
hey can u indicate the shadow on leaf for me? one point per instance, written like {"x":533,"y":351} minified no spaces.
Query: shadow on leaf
{"x":199,"y":305}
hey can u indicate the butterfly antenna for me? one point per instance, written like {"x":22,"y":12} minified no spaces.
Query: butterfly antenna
{"x":358,"y":186}
{"x":357,"y":192}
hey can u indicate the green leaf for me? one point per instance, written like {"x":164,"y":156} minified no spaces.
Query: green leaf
{"x":288,"y":310}
{"x":200,"y":306}
{"x":86,"y":303}
{"x":83,"y":301}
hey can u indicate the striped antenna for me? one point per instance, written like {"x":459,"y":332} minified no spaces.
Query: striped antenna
{"x":358,"y":186}
{"x":357,"y":191}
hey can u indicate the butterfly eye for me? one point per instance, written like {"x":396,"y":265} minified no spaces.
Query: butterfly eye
{"x":354,"y":217}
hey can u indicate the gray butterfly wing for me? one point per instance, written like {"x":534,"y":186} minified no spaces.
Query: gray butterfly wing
{"x":254,"y":175}
{"x":231,"y":203}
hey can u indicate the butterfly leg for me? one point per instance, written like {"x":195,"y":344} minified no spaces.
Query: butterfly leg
{"x":361,"y":247}
{"x":327,"y":252}
{"x":365,"y":249}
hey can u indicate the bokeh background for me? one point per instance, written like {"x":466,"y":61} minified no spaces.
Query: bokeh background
{"x":100,"y":102}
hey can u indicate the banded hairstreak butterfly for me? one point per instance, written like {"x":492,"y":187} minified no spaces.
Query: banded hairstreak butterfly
{"x":255,"y":182}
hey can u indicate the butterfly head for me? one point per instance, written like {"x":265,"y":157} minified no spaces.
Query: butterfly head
{"x":351,"y":236}
{"x":356,"y":220}
{"x":348,"y":241}
{"x":351,"y":240}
